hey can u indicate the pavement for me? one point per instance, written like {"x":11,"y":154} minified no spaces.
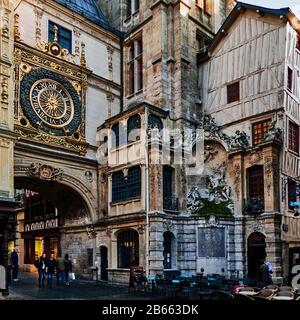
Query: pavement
{"x":27,"y":289}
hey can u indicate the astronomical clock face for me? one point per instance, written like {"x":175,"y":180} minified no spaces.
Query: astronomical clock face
{"x":50,"y":103}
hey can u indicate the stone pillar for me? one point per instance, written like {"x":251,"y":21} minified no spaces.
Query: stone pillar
{"x":6,"y":127}
{"x":236,"y":169}
{"x":271,"y":179}
{"x":6,"y":100}
{"x":240,"y":245}
{"x":156,"y":258}
{"x":274,"y":245}
{"x":155,"y":175}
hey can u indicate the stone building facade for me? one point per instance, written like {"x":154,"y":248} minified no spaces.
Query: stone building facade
{"x":62,"y":79}
{"x":249,"y":85}
{"x":95,"y":97}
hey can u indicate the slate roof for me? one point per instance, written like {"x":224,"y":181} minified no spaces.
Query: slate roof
{"x":89,"y":10}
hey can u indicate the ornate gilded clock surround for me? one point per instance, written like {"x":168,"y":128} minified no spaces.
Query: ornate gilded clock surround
{"x":34,"y":87}
{"x":28,"y":60}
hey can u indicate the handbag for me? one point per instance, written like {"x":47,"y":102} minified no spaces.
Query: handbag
{"x":72,"y":275}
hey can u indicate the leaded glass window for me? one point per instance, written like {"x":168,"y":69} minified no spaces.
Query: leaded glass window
{"x":128,"y":249}
{"x":126,"y":187}
{"x":118,"y":186}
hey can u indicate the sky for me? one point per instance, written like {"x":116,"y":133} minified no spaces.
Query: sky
{"x":293,"y":4}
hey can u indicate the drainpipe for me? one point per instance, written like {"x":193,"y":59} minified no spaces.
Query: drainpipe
{"x":147,"y":193}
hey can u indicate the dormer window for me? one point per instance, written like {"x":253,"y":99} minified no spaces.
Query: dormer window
{"x":64,"y":36}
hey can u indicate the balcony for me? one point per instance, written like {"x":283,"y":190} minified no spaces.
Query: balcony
{"x":254,"y":205}
{"x":170,"y":203}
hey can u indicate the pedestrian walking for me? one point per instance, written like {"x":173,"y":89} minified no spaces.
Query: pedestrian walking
{"x":265,"y":274}
{"x":60,"y":270}
{"x":67,"y":268}
{"x":51,"y":268}
{"x":14,"y":260}
{"x":41,"y":264}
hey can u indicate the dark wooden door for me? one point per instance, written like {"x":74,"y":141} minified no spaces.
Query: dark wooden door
{"x":104,"y":263}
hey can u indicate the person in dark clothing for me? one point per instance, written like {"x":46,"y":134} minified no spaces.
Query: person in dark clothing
{"x":41,"y":264}
{"x":265,"y":274}
{"x":14,"y":260}
{"x":68,"y":268}
{"x":60,"y":270}
{"x":50,"y":268}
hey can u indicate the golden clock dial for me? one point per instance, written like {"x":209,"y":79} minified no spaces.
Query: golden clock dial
{"x":52,"y":103}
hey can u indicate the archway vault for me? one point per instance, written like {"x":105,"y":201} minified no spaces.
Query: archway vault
{"x":56,"y":184}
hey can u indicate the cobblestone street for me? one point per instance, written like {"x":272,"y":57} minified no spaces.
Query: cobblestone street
{"x":27,"y":289}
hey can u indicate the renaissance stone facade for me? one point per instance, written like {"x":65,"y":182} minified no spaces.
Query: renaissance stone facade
{"x":95,"y":97}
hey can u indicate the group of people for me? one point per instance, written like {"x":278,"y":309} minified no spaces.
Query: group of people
{"x":47,"y":268}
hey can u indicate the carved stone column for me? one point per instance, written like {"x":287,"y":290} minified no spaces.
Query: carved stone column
{"x":155,"y":176}
{"x":271,"y":179}
{"x":274,"y":245}
{"x":237,"y":177}
{"x":6,"y":127}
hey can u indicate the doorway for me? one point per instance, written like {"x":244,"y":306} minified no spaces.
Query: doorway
{"x":104,"y":263}
{"x":256,"y":252}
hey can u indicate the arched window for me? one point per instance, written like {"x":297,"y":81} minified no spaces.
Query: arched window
{"x":154,"y":122}
{"x":124,"y":188}
{"x":128,"y":249}
{"x":133,"y":123}
{"x":115,"y":142}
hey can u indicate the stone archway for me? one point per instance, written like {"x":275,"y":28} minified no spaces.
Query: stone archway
{"x":39,"y":177}
{"x":68,"y":231}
